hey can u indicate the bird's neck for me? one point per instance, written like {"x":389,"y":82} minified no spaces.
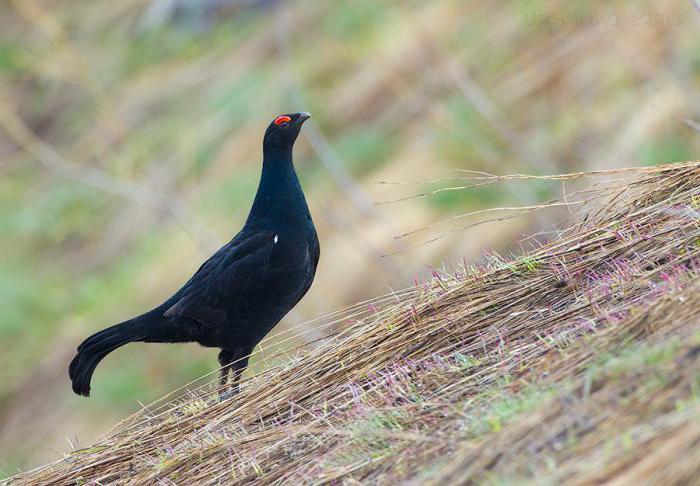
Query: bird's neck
{"x":280,"y":200}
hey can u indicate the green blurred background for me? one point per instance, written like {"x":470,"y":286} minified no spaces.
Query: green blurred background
{"x":130,"y":143}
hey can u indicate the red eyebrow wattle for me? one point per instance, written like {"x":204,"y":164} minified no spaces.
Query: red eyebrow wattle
{"x":282,"y":119}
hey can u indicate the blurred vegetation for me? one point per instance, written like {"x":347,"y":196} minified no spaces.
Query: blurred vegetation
{"x":173,"y":115}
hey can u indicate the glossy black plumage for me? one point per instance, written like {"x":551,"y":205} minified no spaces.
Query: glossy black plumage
{"x":239,"y":294}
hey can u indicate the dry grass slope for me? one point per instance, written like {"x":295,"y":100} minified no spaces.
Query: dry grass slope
{"x":578,"y":361}
{"x":109,"y":199}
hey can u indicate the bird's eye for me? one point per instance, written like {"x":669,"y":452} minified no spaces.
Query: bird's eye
{"x":282,"y":121}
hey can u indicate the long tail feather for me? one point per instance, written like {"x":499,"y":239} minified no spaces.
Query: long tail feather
{"x":150,"y":327}
{"x":95,"y":348}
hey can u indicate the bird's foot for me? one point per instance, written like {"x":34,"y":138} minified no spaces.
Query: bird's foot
{"x":229,"y":393}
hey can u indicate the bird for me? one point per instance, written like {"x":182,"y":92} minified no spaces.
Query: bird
{"x":242,"y":291}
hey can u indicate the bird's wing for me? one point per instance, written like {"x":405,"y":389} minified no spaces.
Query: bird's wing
{"x":204,"y":297}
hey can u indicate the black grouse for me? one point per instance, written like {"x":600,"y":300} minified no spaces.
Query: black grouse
{"x":239,"y":294}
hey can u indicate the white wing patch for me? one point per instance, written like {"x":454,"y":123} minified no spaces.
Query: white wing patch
{"x":276,"y":239}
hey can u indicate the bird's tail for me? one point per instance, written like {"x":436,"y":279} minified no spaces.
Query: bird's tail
{"x":151,"y":327}
{"x":96,"y":347}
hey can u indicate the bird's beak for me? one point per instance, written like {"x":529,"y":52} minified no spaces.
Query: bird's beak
{"x":303,"y":116}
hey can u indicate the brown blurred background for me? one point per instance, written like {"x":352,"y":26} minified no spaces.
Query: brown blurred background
{"x":130,"y":137}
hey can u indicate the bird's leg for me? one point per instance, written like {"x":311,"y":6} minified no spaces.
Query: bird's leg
{"x":238,"y":367}
{"x":225,"y":359}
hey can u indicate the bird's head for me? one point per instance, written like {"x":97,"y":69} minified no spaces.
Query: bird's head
{"x":283,"y":131}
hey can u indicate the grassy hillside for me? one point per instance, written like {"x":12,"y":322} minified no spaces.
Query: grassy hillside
{"x":578,"y":361}
{"x":128,"y":149}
